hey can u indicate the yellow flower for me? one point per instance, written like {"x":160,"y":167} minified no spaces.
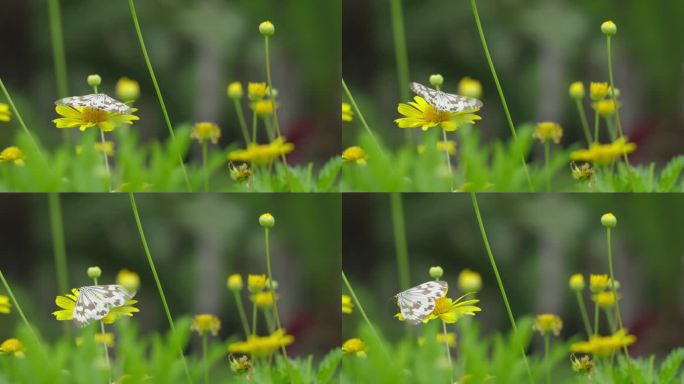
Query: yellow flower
{"x":107,"y":339}
{"x":6,"y":306}
{"x":470,"y":87}
{"x":107,"y":147}
{"x":12,"y":155}
{"x":604,"y":345}
{"x":261,"y":154}
{"x":5,"y":113}
{"x":449,"y":339}
{"x":241,"y":173}
{"x":419,"y":113}
{"x":450,"y":311}
{"x":256,"y":91}
{"x":235,"y":90}
{"x":469,"y":281}
{"x":582,"y":365}
{"x":205,"y":131}
{"x":129,"y":280}
{"x":450,"y":147}
{"x":263,"y":299}
{"x":127,"y":90}
{"x":547,"y":131}
{"x":577,"y":90}
{"x":354,"y":346}
{"x":204,"y":323}
{"x":354,"y":154}
{"x":347,"y":113}
{"x":598,"y":91}
{"x":583,"y":172}
{"x":12,"y":347}
{"x":256,"y":283}
{"x":235,"y":282}
{"x":598,"y":283}
{"x":264,"y":107}
{"x":347,"y":305}
{"x":68,"y":303}
{"x":604,"y":153}
{"x":87,"y":117}
{"x":577,"y":282}
{"x":240,"y":365}
{"x":262,"y":346}
{"x":605,"y":107}
{"x":605,"y":299}
{"x":547,"y":323}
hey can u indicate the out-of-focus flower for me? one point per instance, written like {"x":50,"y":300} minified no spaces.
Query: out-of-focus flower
{"x":263,"y":299}
{"x":469,"y":281}
{"x":6,"y":306}
{"x":470,"y":87}
{"x":604,"y":345}
{"x":347,"y":305}
{"x":127,"y":90}
{"x":106,"y":339}
{"x":261,"y":154}
{"x":354,"y":346}
{"x":354,"y":154}
{"x":12,"y":347}
{"x":235,"y":90}
{"x":577,"y":282}
{"x":347,"y":113}
{"x":256,"y":283}
{"x":548,"y":131}
{"x":129,"y":280}
{"x":12,"y":155}
{"x":547,"y":323}
{"x":259,"y":346}
{"x":450,"y":147}
{"x":604,"y":153}
{"x":206,"y":131}
{"x":6,"y":114}
{"x":204,"y":323}
{"x":256,"y":91}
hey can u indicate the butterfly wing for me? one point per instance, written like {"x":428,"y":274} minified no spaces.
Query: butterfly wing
{"x":418,"y":302}
{"x":445,"y":101}
{"x":93,"y":303}
{"x":97,"y":101}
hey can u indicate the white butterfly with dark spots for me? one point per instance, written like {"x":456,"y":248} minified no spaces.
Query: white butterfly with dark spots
{"x":418,"y":302}
{"x":94,"y":302}
{"x":443,"y":101}
{"x":97,"y":101}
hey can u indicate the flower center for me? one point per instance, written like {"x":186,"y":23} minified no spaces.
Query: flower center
{"x":432,"y":115}
{"x":442,"y":305}
{"x":93,"y":115}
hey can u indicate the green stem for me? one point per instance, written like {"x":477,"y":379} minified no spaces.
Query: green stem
{"x":204,"y":357}
{"x":363,"y":120}
{"x":241,"y":119}
{"x":583,"y":311}
{"x":16,"y":305}
{"x":585,"y":123}
{"x":158,"y":91}
{"x":547,"y":149}
{"x":243,"y":316}
{"x":106,"y":159}
{"x":254,"y":318}
{"x":498,"y":88}
{"x":400,"y":51}
{"x":204,"y":166}
{"x":21,"y":121}
{"x":156,"y":278}
{"x":59,"y":249}
{"x":269,"y":321}
{"x":546,"y":358}
{"x":612,"y":286}
{"x":596,"y":127}
{"x":104,"y":342}
{"x":476,"y":207}
{"x":270,"y":280}
{"x":254,"y":127}
{"x":611,"y":320}
{"x":58,"y":56}
{"x":400,"y":247}
{"x":448,"y":160}
{"x":596,"y":318}
{"x":612,"y":95}
{"x":448,"y":352}
{"x":611,"y":128}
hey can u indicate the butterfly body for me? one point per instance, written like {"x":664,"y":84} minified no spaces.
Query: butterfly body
{"x":443,"y":101}
{"x":94,"y":302}
{"x":97,"y":101}
{"x":418,"y":302}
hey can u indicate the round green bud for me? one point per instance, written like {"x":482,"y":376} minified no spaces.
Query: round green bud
{"x":436,"y":80}
{"x":608,"y":220}
{"x":94,"y":272}
{"x":94,"y":80}
{"x":608,"y":28}
{"x":266,"y":220}
{"x":267,"y":28}
{"x":436,"y":272}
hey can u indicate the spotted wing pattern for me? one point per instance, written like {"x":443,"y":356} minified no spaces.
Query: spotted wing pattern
{"x":445,"y":101}
{"x":94,"y":302}
{"x":418,"y":302}
{"x":97,"y":101}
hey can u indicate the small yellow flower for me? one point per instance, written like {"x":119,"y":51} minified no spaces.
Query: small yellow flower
{"x":259,"y":346}
{"x":204,"y":323}
{"x":450,"y":147}
{"x":235,"y":90}
{"x":354,"y":346}
{"x":598,"y":283}
{"x":205,"y":131}
{"x":129,"y":280}
{"x":419,"y":113}
{"x":547,"y":323}
{"x":450,"y":311}
{"x":235,"y":282}
{"x":6,"y":114}
{"x":604,"y":345}
{"x":127,"y":90}
{"x":449,"y":339}
{"x":263,"y":299}
{"x":547,"y":131}
{"x":87,"y":117}
{"x":470,"y":87}
{"x":264,"y":107}
{"x":469,"y":281}
{"x":598,"y":91}
{"x":583,"y":365}
{"x":240,"y":365}
{"x":605,"y":299}
{"x":256,"y":283}
{"x":261,"y":154}
{"x":107,"y":147}
{"x":347,"y":305}
{"x":583,"y":172}
{"x":12,"y":347}
{"x":241,"y":173}
{"x":6,"y":306}
{"x":67,"y":303}
{"x":347,"y":113}
{"x":107,"y":339}
{"x":354,"y":154}
{"x":577,"y":282}
{"x":256,"y":91}
{"x":12,"y":155}
{"x":606,"y":107}
{"x":577,"y":90}
{"x":604,"y":153}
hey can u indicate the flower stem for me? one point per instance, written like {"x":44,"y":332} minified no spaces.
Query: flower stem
{"x":596,"y":318}
{"x":363,"y":120}
{"x":106,"y":159}
{"x":400,"y":51}
{"x":204,"y":357}
{"x":448,"y":352}
{"x":59,"y":249}
{"x":585,"y":123}
{"x":476,"y":207}
{"x":254,"y":127}
{"x":546,"y":358}
{"x":498,"y":88}
{"x":270,"y":279}
{"x":612,"y":287}
{"x":583,"y":311}
{"x":158,"y":91}
{"x":16,"y":304}
{"x":104,"y":344}
{"x":612,"y":96}
{"x":21,"y":121}
{"x":254,"y":318}
{"x":596,"y":127}
{"x":156,"y":278}
{"x":241,"y":119}
{"x":57,"y":39}
{"x":547,"y":155}
{"x":400,"y":247}
{"x":448,"y":160}
{"x":204,"y":166}
{"x":243,"y":316}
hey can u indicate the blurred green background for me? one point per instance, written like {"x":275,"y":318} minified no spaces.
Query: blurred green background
{"x":197,"y":240}
{"x":196,"y":49}
{"x":538,"y":240}
{"x":538,"y":48}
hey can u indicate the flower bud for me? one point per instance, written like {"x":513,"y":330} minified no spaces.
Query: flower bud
{"x":235,"y":282}
{"x":577,"y":283}
{"x":470,"y":87}
{"x":608,"y":220}
{"x":266,"y":220}
{"x":436,"y":80}
{"x":577,"y":91}
{"x":127,"y":89}
{"x":436,"y":272}
{"x":267,"y":28}
{"x":469,"y":281}
{"x":608,"y":28}
{"x":94,"y":272}
{"x":94,"y":80}
{"x":235,"y":90}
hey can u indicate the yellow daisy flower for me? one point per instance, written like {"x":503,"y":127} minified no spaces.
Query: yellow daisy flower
{"x":234,"y":90}
{"x":606,"y":107}
{"x":547,"y":131}
{"x":347,"y":113}
{"x":107,"y":339}
{"x":419,"y":113}
{"x":604,"y":153}
{"x":450,"y":311}
{"x":261,"y":154}
{"x":598,"y":91}
{"x":205,"y":131}
{"x":129,"y":280}
{"x":234,"y":282}
{"x":127,"y":89}
{"x":263,"y":299}
{"x":87,"y":117}
{"x":5,"y":305}
{"x":547,"y":323}
{"x":12,"y":347}
{"x":256,"y":91}
{"x":604,"y":345}
{"x":12,"y":155}
{"x":347,"y":305}
{"x":256,"y":283}
{"x":68,"y":303}
{"x":354,"y":346}
{"x":354,"y":154}
{"x":598,"y":283}
{"x":605,"y":299}
{"x":204,"y":323}
{"x":5,"y":113}
{"x":262,"y":345}
{"x":263,"y":107}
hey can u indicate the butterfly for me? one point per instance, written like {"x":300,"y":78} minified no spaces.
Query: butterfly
{"x":94,"y":302}
{"x":96,"y":101}
{"x":445,"y":101}
{"x":418,"y":302}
